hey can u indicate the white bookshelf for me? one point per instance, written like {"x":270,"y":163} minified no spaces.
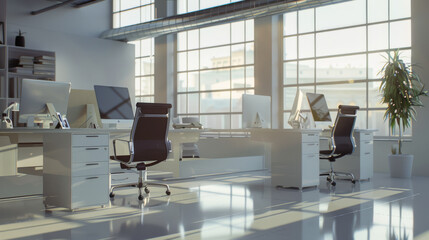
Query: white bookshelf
{"x":10,"y":82}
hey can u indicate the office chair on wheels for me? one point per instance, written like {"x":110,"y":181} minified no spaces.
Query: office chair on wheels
{"x":342,"y":142}
{"x":148,"y":144}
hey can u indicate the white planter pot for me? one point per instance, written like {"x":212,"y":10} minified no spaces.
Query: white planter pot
{"x":401,"y":165}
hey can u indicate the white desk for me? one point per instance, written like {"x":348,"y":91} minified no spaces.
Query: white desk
{"x":30,"y":184}
{"x":177,"y":137}
{"x":294,"y":156}
{"x":75,"y":165}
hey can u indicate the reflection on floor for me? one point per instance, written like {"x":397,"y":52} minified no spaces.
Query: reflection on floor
{"x":240,"y":206}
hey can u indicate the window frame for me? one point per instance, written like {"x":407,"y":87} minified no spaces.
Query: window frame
{"x":367,"y":53}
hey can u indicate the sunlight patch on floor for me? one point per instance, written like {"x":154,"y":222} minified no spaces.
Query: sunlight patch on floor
{"x":36,"y":227}
{"x":277,"y":218}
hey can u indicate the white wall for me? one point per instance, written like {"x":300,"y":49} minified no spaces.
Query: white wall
{"x":86,"y":21}
{"x":72,"y":33}
{"x":420,"y":56}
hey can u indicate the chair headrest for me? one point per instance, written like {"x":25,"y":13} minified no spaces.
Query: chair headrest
{"x":153,"y":108}
{"x":348,"y":109}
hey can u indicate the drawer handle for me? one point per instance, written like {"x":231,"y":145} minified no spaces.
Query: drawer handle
{"x":311,"y":144}
{"x":311,"y":135}
{"x":89,"y":178}
{"x":91,"y":164}
{"x":91,"y":136}
{"x":91,"y":148}
{"x":367,"y":153}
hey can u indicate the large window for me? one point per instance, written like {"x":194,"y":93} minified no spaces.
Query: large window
{"x":130,"y":12}
{"x":339,"y":50}
{"x":214,"y":69}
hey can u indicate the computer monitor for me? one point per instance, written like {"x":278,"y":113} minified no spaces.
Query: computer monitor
{"x":82,"y":110}
{"x":114,"y":104}
{"x":39,"y":97}
{"x":319,"y":107}
{"x":256,"y":111}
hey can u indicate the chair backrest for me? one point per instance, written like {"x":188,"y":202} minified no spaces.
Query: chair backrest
{"x":342,"y":133}
{"x":150,"y":131}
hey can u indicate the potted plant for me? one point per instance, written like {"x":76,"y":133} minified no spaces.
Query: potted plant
{"x":401,"y":89}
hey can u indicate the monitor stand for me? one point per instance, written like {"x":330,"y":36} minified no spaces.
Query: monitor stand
{"x":257,"y":123}
{"x":303,"y":122}
{"x":46,"y":119}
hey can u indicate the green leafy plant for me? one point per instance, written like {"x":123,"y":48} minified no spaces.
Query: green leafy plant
{"x":401,"y":89}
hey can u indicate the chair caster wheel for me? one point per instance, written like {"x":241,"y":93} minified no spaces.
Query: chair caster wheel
{"x":112,"y":195}
{"x":168,"y":192}
{"x":353,"y":181}
{"x":146,"y":190}
{"x":333,"y":183}
{"x":140,"y":197}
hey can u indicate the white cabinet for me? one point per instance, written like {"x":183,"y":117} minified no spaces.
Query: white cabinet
{"x":361,"y":162}
{"x":76,"y":169}
{"x":294,"y":156}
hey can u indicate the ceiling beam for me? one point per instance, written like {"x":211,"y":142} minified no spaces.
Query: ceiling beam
{"x":227,"y":13}
{"x":74,"y":3}
{"x":52,"y":7}
{"x":86,"y":3}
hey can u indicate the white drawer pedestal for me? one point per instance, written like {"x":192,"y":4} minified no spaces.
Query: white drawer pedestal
{"x":76,"y":169}
{"x":294,"y":156}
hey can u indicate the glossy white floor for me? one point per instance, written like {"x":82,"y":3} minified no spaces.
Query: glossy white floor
{"x":242,"y":206}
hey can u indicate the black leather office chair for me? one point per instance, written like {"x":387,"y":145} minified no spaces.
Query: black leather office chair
{"x":148,"y":144}
{"x":342,"y":141}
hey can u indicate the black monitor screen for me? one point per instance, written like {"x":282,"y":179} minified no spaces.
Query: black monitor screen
{"x":319,"y":107}
{"x":114,"y":102}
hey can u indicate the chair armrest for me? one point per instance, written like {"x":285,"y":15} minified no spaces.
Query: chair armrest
{"x":169,"y":148}
{"x":332,"y":144}
{"x":130,"y":146}
{"x":354,"y":143}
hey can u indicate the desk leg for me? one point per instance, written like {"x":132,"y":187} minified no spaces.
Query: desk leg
{"x":8,"y":157}
{"x":267,"y":156}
